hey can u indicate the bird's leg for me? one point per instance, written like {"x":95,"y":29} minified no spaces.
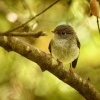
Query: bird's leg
{"x":70,"y":69}
{"x":59,"y":62}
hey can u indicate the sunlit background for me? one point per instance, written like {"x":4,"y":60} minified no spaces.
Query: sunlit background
{"x":22,"y":79}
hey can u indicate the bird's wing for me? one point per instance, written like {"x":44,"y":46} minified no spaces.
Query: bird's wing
{"x":78,"y":43}
{"x":49,"y":47}
{"x":75,"y":61}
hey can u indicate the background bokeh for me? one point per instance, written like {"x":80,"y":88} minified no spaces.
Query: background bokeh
{"x":22,"y":79}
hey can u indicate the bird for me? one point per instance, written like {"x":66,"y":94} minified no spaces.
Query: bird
{"x":65,"y":45}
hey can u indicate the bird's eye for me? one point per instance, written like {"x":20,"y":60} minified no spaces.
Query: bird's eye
{"x":63,"y":33}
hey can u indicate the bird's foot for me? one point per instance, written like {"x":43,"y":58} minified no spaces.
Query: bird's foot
{"x":71,"y":72}
{"x":59,"y":62}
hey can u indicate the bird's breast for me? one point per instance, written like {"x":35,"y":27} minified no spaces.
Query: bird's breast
{"x":64,"y":50}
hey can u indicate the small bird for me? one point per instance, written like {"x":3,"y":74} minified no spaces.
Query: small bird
{"x":65,"y":45}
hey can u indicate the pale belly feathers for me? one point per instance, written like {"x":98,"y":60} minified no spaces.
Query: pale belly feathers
{"x":64,"y":51}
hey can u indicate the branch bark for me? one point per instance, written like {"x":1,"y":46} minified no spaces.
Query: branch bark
{"x":47,"y":62}
{"x":24,"y":34}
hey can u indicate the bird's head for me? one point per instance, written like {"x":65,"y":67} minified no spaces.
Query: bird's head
{"x":63,"y":31}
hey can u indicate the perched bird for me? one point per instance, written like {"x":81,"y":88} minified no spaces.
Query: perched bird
{"x":65,"y":46}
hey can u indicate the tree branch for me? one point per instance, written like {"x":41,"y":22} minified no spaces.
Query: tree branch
{"x":24,"y":34}
{"x":22,"y":25}
{"x":47,"y":62}
{"x":98,"y":24}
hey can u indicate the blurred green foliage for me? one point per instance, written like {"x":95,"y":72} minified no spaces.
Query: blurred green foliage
{"x":21,"y":79}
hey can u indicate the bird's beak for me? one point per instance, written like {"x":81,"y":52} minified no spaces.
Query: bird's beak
{"x":52,"y":31}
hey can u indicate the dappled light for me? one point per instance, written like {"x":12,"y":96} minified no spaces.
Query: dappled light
{"x":33,"y":21}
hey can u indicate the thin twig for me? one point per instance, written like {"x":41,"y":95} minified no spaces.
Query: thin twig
{"x":25,"y":6}
{"x":31,"y":18}
{"x":98,"y":24}
{"x":24,"y":34}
